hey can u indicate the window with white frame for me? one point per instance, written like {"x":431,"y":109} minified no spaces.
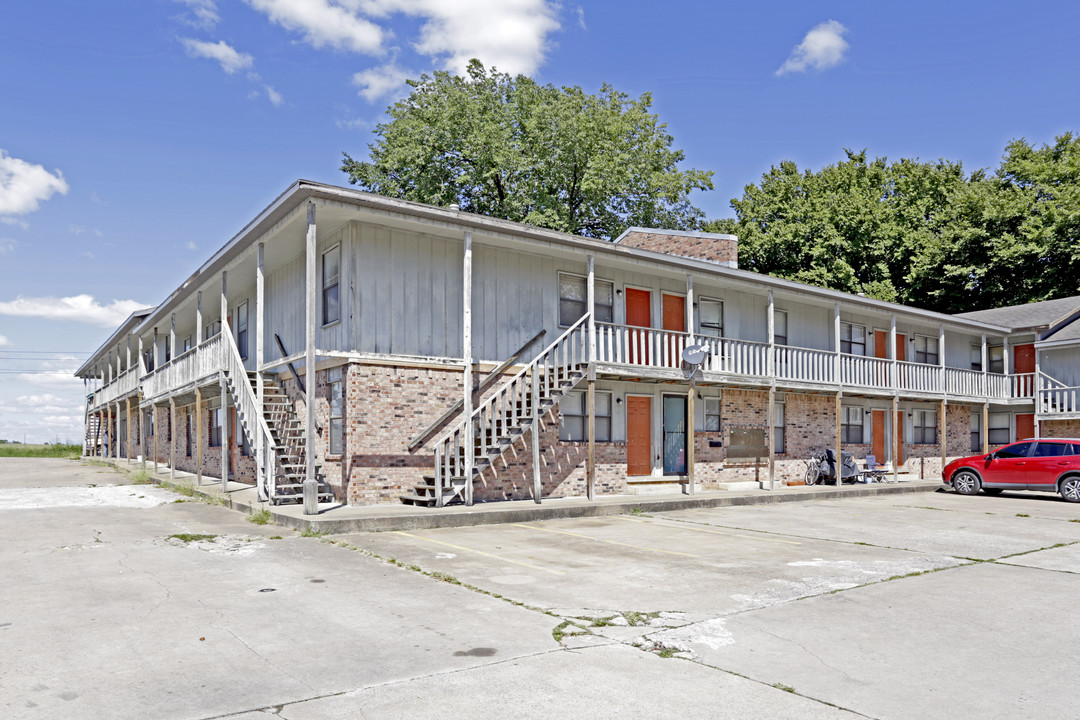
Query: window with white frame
{"x":852,"y":339}
{"x":573,"y":417}
{"x":148,"y":360}
{"x":851,"y":426}
{"x":187,"y":343}
{"x":331,"y":273}
{"x":780,"y":336}
{"x":242,"y":329}
{"x":926,"y":350}
{"x":778,"y":426}
{"x":212,"y":329}
{"x":976,"y":431}
{"x":215,"y":426}
{"x":998,"y":430}
{"x":711,"y":317}
{"x":574,"y":299}
{"x":712,"y":414}
{"x":997,"y":359}
{"x":924,"y":427}
{"x":976,"y":358}
{"x":336,"y":391}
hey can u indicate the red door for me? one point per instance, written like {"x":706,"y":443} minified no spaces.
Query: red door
{"x":1025,"y":426}
{"x":674,"y":309}
{"x":1024,"y":362}
{"x":638,"y":435}
{"x":638,"y":314}
{"x":899,"y":439}
{"x":877,"y":446}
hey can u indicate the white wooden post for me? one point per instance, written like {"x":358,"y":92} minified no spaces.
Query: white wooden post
{"x":590,"y":483}
{"x":836,"y":344}
{"x":537,"y":487}
{"x":467,"y":383}
{"x":1005,"y":359}
{"x":944,"y":436}
{"x":941,"y":358}
{"x":897,"y":439}
{"x":985,"y":381}
{"x":260,"y":441}
{"x":1035,"y":389}
{"x":198,"y":319}
{"x":128,"y":366}
{"x":311,"y":484}
{"x":985,"y":429}
{"x":172,"y":336}
{"x":199,"y":425}
{"x":223,"y":387}
{"x":690,"y":420}
{"x":771,"y":435}
{"x":172,"y":436}
{"x":771,"y":359}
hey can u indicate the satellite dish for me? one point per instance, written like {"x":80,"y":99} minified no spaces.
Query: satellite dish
{"x":695,"y":354}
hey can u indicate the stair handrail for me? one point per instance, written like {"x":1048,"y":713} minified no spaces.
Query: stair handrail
{"x":483,"y":385}
{"x":1051,"y":382}
{"x":453,"y":439}
{"x":248,"y":404}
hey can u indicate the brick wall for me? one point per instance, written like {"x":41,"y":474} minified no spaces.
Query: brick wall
{"x":701,"y":246}
{"x":1060,"y":428}
{"x":924,"y":460}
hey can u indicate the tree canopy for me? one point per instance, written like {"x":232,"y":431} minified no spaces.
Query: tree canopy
{"x":921,"y":233}
{"x":508,"y":147}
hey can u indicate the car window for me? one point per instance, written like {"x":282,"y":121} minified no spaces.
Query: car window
{"x":1014,"y":451}
{"x":1050,"y":449}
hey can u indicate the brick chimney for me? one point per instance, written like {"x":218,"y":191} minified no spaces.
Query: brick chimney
{"x":711,"y":247}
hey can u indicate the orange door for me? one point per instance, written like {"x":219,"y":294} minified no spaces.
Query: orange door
{"x":638,"y":435}
{"x":1025,"y":426}
{"x":899,"y":440}
{"x":675,"y":320}
{"x":901,"y":347}
{"x":1024,"y":359}
{"x":881,"y":344}
{"x":638,"y":314}
{"x":877,"y":446}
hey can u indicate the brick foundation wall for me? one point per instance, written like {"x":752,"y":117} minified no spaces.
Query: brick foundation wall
{"x":1059,"y":428}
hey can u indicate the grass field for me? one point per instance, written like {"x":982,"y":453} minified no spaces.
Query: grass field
{"x":43,"y":451}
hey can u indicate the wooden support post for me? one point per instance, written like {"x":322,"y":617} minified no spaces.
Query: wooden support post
{"x":771,"y":359}
{"x":985,"y":429}
{"x":771,"y":436}
{"x":127,"y":429}
{"x":116,"y":435}
{"x":466,"y":347}
{"x":1035,"y":382}
{"x":944,"y":437}
{"x":897,"y":432}
{"x":690,"y":438}
{"x":224,"y":389}
{"x":200,"y":426}
{"x":157,"y":431}
{"x":311,"y":483}
{"x":836,"y":344}
{"x":198,"y":319}
{"x":172,"y":437}
{"x":838,"y":464}
{"x":590,"y":287}
{"x":982,"y":363}
{"x":537,"y":486}
{"x":591,"y":482}
{"x":261,"y":463}
{"x":172,"y":337}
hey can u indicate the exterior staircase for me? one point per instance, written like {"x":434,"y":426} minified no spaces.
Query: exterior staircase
{"x":93,"y":426}
{"x":504,"y":417}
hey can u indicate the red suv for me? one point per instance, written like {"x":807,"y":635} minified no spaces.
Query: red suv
{"x":1048,"y":464}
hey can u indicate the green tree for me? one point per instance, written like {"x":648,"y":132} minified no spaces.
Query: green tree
{"x":508,"y":147}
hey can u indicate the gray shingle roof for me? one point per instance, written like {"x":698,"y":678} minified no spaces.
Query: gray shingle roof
{"x":1036,"y":314}
{"x":1070,"y":331}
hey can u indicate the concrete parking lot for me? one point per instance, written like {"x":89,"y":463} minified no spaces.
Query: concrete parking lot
{"x":909,"y":606}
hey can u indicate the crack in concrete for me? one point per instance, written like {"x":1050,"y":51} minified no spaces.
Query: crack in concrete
{"x":259,"y":655}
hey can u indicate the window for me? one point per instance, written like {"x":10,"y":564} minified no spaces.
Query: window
{"x":1015,"y":451}
{"x":168,"y":427}
{"x":926,"y":350}
{"x":573,"y":418}
{"x":187,"y":343}
{"x":242,"y":329}
{"x":851,"y":426}
{"x":712,"y":414}
{"x":976,"y":358}
{"x":778,"y":427}
{"x":148,"y":360}
{"x":187,"y":433}
{"x":998,"y":431}
{"x":997,"y":359}
{"x":574,"y":296}
{"x":212,"y":329}
{"x":852,"y":339}
{"x":1051,"y":449}
{"x":331,"y":272}
{"x":335,"y":387}
{"x":976,"y":431}
{"x":168,"y":349}
{"x":924,"y":427}
{"x":215,"y":427}
{"x":711,"y":318}
{"x":780,"y":336}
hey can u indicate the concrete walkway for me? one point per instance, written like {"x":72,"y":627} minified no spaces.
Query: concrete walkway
{"x":335,"y":518}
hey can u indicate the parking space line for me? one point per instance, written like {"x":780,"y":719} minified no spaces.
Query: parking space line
{"x":703,"y":530}
{"x":480,"y":552}
{"x":611,"y":542}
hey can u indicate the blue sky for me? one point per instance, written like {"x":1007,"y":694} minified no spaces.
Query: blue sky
{"x":137,"y":137}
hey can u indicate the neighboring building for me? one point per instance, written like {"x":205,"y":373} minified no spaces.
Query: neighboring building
{"x":390,"y":301}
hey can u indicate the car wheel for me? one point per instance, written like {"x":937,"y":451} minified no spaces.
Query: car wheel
{"x":966,"y":482}
{"x":812,"y":474}
{"x":1070,"y":489}
{"x":992,"y":491}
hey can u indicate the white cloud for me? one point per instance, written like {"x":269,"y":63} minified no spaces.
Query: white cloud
{"x":581,"y":18}
{"x":7,"y":246}
{"x":190,"y":246}
{"x":78,"y":308}
{"x":822,"y":48}
{"x":230,"y":60}
{"x":275,"y":97}
{"x":204,"y":13}
{"x":24,"y":186}
{"x":381,"y":81}
{"x":325,"y":22}
{"x":4,"y":341}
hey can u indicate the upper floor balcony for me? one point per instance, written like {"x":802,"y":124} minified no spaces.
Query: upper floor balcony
{"x":651,"y":351}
